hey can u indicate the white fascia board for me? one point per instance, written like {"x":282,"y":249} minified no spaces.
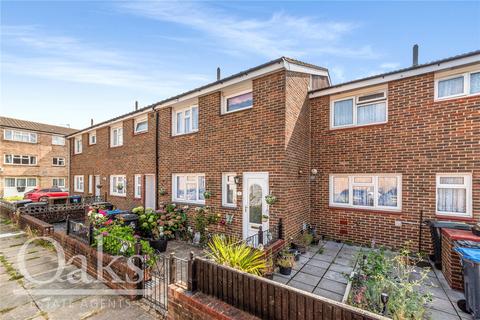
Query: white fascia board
{"x":109,"y":123}
{"x":397,"y":76}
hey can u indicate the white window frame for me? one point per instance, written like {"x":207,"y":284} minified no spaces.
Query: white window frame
{"x":174,"y":120}
{"x":137,"y":179}
{"x":119,"y":129}
{"x":374,"y":183}
{"x":59,"y":179}
{"x":466,"y":86}
{"x":186,"y":175}
{"x":58,"y":160}
{"x":20,"y":156}
{"x":113,"y":186}
{"x":355,"y":106}
{"x":139,"y":120}
{"x":78,"y":183}
{"x":467,"y":184}
{"x":92,"y":137}
{"x":32,"y":136}
{"x":56,"y":143}
{"x":225,"y":183}
{"x":90,"y":184}
{"x":77,"y":145}
{"x":225,"y":99}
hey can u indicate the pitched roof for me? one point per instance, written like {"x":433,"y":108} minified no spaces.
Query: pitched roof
{"x":34,"y":126}
{"x":201,"y":88}
{"x":420,"y":66}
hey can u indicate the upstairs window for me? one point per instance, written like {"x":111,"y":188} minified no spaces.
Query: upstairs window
{"x":185,"y":120}
{"x":458,"y":85}
{"x":78,"y":146}
{"x":58,"y":161}
{"x":58,"y":140}
{"x":141,"y":125}
{"x":454,"y":194}
{"x":20,"y":159}
{"x":116,"y":136}
{"x":92,"y":138}
{"x":380,"y":192}
{"x":20,"y":136}
{"x":237,"y":102}
{"x":359,"y":110}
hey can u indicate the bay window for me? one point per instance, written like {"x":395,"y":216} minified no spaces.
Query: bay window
{"x":185,"y":120}
{"x":454,"y":194}
{"x":189,"y":188}
{"x":380,"y":192}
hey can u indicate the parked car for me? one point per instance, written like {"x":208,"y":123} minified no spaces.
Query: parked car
{"x":43,"y":195}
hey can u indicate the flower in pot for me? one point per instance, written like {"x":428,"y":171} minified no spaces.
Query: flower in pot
{"x":159,"y":240}
{"x":264,"y":218}
{"x":120,"y":186}
{"x":285,"y":262}
{"x":270,"y":199}
{"x":302,"y":242}
{"x":207,"y":194}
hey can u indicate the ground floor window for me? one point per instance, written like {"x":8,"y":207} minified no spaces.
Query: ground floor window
{"x":118,"y":185}
{"x":20,"y":182}
{"x":380,"y":191}
{"x":189,"y":188}
{"x":138,"y":186}
{"x":90,"y":184}
{"x":454,"y":194}
{"x":78,"y":183}
{"x":58,"y":182}
{"x":229,"y":190}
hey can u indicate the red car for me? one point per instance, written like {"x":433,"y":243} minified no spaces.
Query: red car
{"x":42,"y":195}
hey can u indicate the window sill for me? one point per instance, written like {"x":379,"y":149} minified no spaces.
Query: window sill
{"x":200,"y":204}
{"x":454,"y":217}
{"x":376,"y":210}
{"x":229,"y":207}
{"x":224,"y":113}
{"x":116,"y":146}
{"x":118,"y":196}
{"x":183,"y":134}
{"x":359,"y":126}
{"x":458,"y":96}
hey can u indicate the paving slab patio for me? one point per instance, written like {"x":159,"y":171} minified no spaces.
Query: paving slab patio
{"x":324,"y":271}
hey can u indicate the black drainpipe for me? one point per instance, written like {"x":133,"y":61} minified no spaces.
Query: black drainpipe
{"x":156,"y":158}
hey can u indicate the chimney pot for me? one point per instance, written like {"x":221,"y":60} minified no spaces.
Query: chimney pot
{"x":218,"y":73}
{"x":91,"y":122}
{"x":136,"y":105}
{"x":415,"y":55}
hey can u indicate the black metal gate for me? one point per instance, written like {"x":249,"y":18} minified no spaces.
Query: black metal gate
{"x":155,"y":284}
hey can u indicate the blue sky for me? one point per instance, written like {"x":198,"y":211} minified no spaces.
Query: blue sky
{"x":64,"y":62}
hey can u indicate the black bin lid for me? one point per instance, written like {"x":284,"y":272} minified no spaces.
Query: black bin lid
{"x":127,"y":216}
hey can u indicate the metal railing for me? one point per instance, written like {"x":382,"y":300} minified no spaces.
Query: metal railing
{"x":80,"y":231}
{"x":264,"y":237}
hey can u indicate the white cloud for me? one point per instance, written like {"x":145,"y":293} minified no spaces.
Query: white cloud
{"x":27,"y":50}
{"x":390,"y":65}
{"x":280,"y":34}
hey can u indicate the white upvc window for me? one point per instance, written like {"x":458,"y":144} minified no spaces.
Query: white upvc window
{"x":359,"y":110}
{"x":116,"y":136}
{"x":189,"y":188}
{"x":138,"y":186}
{"x":229,"y":190}
{"x":90,"y":184}
{"x":459,"y":85}
{"x":238,"y":101}
{"x":376,"y":191}
{"x":58,"y":182}
{"x":454,"y":194}
{"x":58,"y":140}
{"x":17,"y":159}
{"x":78,"y":185}
{"x":20,"y":182}
{"x":140,"y":124}
{"x":185,"y":120}
{"x":58,"y":161}
{"x":19,"y":136}
{"x":92,"y":137}
{"x":78,"y":145}
{"x":118,"y":185}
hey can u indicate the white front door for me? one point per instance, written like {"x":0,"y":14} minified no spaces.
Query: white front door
{"x":97,"y":183}
{"x":150,"y":191}
{"x":255,"y":209}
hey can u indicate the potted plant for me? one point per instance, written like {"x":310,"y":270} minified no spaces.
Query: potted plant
{"x":120,"y":186}
{"x":159,"y":241}
{"x":207,"y":194}
{"x":285,"y":262}
{"x":162,"y":191}
{"x":302,"y":242}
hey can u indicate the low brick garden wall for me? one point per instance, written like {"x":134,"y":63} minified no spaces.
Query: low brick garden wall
{"x":451,"y":267}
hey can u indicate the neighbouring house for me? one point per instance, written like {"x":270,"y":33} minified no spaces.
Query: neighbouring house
{"x":373,"y":154}
{"x":35,"y":155}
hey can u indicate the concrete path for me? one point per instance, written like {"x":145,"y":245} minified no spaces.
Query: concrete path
{"x":18,"y":298}
{"x":324,"y":270}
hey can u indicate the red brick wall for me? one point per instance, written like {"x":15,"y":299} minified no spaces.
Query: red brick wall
{"x":136,"y":156}
{"x":451,"y":267}
{"x":421,"y":138}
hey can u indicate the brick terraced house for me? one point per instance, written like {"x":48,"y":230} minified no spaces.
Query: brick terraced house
{"x":33,"y":155}
{"x":361,"y":161}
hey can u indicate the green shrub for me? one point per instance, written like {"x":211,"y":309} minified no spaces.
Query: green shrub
{"x":228,"y":251}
